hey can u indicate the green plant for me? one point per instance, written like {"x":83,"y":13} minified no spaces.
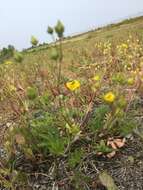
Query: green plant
{"x":127,"y":125}
{"x":12,"y":179}
{"x":60,"y":111}
{"x":57,"y":51}
{"x":79,"y":180}
{"x":41,"y":134}
{"x":75,"y":158}
{"x":6,"y":53}
{"x":48,"y":136}
{"x":97,"y":121}
{"x":102,"y":148}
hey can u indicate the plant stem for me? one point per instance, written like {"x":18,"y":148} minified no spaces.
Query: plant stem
{"x":60,"y":63}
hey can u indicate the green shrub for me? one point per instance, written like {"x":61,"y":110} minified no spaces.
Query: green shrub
{"x":18,"y":57}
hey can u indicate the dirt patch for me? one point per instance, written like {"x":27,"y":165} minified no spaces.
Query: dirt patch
{"x":126,"y":167}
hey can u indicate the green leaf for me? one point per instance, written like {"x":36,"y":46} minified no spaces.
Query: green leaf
{"x":75,"y":158}
{"x":97,"y":120}
{"x":102,"y":147}
{"x":107,"y":181}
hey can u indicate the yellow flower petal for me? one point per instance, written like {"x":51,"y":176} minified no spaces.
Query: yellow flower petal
{"x":8,"y":62}
{"x":96,"y":78}
{"x":73,"y":85}
{"x":109,"y":97}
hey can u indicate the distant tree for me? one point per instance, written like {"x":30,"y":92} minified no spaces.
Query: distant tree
{"x":7,"y":52}
{"x":11,"y":48}
{"x":4,"y":51}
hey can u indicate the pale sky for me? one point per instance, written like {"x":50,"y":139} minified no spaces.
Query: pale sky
{"x":19,"y":19}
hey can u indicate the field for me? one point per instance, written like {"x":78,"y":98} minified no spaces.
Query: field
{"x":71,"y":112}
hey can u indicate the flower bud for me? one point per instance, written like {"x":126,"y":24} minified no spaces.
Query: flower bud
{"x":59,"y":29}
{"x":130,"y":81}
{"x":50,"y":30}
{"x":54,"y":54}
{"x":34,"y":41}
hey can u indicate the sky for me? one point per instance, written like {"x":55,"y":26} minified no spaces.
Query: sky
{"x":20,"y":19}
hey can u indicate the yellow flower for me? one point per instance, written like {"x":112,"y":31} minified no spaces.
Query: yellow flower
{"x":8,"y":62}
{"x":130,"y":81}
{"x":74,"y":129}
{"x":12,"y":88}
{"x":11,"y":129}
{"x":96,"y":78}
{"x":73,"y":85}
{"x":7,"y":144}
{"x":109,"y":97}
{"x":125,"y":46}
